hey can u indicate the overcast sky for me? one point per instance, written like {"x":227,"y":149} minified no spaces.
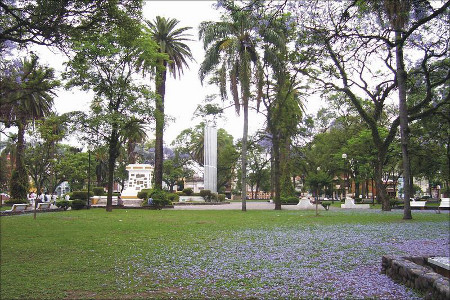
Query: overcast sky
{"x":182,"y":94}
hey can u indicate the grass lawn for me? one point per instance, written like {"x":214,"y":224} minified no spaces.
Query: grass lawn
{"x":132,"y":254}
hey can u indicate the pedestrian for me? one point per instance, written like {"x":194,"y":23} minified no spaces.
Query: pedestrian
{"x":54,"y":198}
{"x":46,"y":197}
{"x":119,"y":201}
{"x":67,"y":197}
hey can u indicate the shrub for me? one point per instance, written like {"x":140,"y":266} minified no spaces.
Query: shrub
{"x":173,"y":197}
{"x":289,"y":200}
{"x":160,"y":199}
{"x":64,"y":204}
{"x":78,"y":204}
{"x":144,"y":194}
{"x":16,"y":201}
{"x":180,"y":193}
{"x":81,"y":195}
{"x":188,"y":191}
{"x":206,"y":194}
{"x":326,"y":204}
{"x":213,"y":197}
{"x":221,"y":197}
{"x":393,"y":202}
{"x":98,"y":191}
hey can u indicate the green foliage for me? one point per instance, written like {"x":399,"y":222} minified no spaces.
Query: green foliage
{"x":18,"y":186}
{"x":64,"y":204}
{"x":221,"y":197}
{"x":326,"y":204}
{"x":77,"y":204}
{"x":81,"y":195}
{"x":144,"y":194}
{"x":289,"y":200}
{"x":394,"y":202}
{"x":98,"y":191}
{"x":173,"y":197}
{"x":206,"y":194}
{"x":16,"y":201}
{"x":188,"y":191}
{"x":160,"y":199}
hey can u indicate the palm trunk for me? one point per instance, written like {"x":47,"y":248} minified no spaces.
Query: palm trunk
{"x":244,"y":157}
{"x":159,"y":119}
{"x":19,"y":184}
{"x":403,"y":116}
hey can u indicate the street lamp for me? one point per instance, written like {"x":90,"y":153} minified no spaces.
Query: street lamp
{"x":89,"y":175}
{"x":318,"y":189}
{"x":344,"y":157}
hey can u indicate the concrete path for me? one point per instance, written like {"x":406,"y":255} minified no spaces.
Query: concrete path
{"x":263,"y":205}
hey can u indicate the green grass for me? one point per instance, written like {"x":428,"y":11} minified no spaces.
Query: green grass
{"x":79,"y":254}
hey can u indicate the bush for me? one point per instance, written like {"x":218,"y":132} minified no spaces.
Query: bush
{"x":206,"y":194}
{"x":395,"y":202}
{"x":160,"y":199}
{"x":64,"y":204}
{"x":221,"y":197}
{"x":81,"y":195}
{"x":78,"y":204}
{"x":326,"y":204}
{"x":213,"y":198}
{"x":16,"y":201}
{"x":98,"y":191}
{"x":289,"y":200}
{"x":188,"y":191}
{"x":144,"y":194}
{"x":173,"y":197}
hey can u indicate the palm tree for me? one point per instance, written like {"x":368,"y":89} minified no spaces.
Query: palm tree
{"x":134,"y":132}
{"x":171,"y":42}
{"x":231,"y":53}
{"x":29,"y":98}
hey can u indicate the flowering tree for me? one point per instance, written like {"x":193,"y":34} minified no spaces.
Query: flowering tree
{"x":26,"y":95}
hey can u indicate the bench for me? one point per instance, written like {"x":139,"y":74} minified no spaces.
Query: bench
{"x":43,"y":205}
{"x":419,"y":204}
{"x":18,"y":208}
{"x":445,"y":203}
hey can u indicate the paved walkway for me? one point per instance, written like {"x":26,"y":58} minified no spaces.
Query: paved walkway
{"x":251,"y":205}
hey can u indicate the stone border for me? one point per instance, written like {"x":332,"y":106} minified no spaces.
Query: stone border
{"x":415,"y":273}
{"x":199,"y":203}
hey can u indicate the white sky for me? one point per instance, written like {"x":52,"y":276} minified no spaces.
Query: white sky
{"x":183,"y":94}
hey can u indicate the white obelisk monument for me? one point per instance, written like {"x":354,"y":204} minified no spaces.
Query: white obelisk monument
{"x":210,"y":159}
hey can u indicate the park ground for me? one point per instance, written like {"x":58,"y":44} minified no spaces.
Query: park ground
{"x":258,"y":254}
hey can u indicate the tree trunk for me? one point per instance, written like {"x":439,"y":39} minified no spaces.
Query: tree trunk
{"x":244,"y":157}
{"x":113,"y":154}
{"x":277,"y":171}
{"x":404,"y":131}
{"x":379,"y":185}
{"x":159,"y":120}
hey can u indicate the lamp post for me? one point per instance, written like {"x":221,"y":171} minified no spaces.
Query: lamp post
{"x":318,"y":189}
{"x":89,"y":175}
{"x":344,"y":157}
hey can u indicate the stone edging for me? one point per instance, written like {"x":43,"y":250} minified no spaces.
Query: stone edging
{"x":414,"y":273}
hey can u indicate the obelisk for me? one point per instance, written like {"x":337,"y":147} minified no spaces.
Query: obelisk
{"x":210,"y":159}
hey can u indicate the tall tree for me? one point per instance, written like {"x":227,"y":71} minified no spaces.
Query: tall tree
{"x":54,"y":23}
{"x":355,"y":56}
{"x":106,"y":63}
{"x":231,"y":53}
{"x":171,"y":41}
{"x":26,"y":95}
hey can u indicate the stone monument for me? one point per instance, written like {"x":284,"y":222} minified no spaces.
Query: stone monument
{"x":139,"y":177}
{"x":210,"y":159}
